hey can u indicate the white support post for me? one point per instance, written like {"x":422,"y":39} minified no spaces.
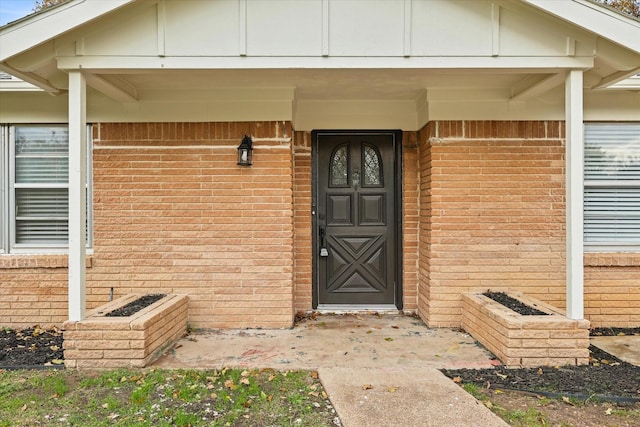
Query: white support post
{"x":574,"y":194}
{"x":77,"y":194}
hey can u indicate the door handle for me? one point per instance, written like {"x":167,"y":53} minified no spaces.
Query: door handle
{"x":323,"y":249}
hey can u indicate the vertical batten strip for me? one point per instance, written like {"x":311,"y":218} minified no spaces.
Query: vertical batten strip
{"x":407,"y":28}
{"x":325,"y":27}
{"x":80,"y":46}
{"x":495,"y":29}
{"x":77,"y":194}
{"x":571,"y":46}
{"x":575,"y":194}
{"x":162,"y":24}
{"x":243,"y":28}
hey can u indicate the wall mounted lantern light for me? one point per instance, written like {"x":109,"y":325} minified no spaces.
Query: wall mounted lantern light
{"x":245,"y":150}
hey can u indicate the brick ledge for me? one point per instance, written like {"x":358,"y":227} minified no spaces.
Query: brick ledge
{"x":611,"y":259}
{"x":38,"y":261}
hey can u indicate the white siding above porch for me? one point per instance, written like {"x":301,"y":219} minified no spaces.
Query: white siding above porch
{"x":351,"y":28}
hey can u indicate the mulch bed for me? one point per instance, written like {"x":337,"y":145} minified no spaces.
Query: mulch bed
{"x":31,"y":348}
{"x":605,"y":377}
{"x":515,"y":305}
{"x":135,"y":305}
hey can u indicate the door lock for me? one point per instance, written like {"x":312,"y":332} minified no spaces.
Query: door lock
{"x":323,"y":249}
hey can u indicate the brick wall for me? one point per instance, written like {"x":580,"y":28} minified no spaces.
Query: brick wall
{"x":424,"y":234}
{"x":483,"y":207}
{"x":492,"y":216}
{"x":410,"y":219}
{"x":612,"y":289}
{"x":173,"y":213}
{"x":33,"y":290}
{"x":302,"y":222}
{"x":492,"y":213}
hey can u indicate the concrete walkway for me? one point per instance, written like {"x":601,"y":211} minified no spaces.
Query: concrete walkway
{"x":625,"y":348}
{"x":377,"y":370}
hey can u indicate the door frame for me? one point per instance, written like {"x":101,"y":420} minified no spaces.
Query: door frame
{"x":397,"y":202}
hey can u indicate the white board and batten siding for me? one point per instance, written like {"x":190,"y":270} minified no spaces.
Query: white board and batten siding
{"x":336,"y":28}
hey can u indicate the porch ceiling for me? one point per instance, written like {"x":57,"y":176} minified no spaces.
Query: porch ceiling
{"x":334,"y":84}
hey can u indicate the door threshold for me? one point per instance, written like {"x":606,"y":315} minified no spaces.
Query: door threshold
{"x":356,"y":308}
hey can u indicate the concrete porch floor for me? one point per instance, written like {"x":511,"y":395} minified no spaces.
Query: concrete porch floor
{"x":330,"y":340}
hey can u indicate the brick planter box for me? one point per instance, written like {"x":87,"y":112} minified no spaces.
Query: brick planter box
{"x":519,"y":340}
{"x":129,"y":342}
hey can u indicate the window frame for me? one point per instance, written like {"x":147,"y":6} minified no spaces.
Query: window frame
{"x":4,"y":224}
{"x":613,"y":185}
{"x":8,"y":188}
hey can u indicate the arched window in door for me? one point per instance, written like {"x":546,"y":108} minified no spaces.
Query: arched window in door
{"x":372,"y":167}
{"x":339,"y":167}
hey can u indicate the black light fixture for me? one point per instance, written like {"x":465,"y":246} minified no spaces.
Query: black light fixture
{"x":245,"y":150}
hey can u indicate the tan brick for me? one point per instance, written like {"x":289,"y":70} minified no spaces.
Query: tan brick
{"x":106,"y":344}
{"x":83,"y":354}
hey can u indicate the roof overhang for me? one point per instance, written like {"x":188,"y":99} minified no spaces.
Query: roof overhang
{"x":593,"y":17}
{"x":33,"y":30}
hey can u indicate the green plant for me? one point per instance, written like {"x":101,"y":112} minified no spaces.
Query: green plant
{"x":183,"y":419}
{"x":531,"y":417}
{"x":141,"y":394}
{"x":53,"y":383}
{"x":474,"y":391}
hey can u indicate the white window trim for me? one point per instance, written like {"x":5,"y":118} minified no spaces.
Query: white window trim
{"x":7,"y":193}
{"x":4,"y":138}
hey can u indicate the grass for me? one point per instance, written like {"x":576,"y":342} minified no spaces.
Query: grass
{"x":531,"y":417}
{"x":228,"y":397}
{"x":517,"y":411}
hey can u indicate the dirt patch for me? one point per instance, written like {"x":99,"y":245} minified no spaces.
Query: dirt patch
{"x":135,"y":306}
{"x":31,"y":347}
{"x":543,"y":411}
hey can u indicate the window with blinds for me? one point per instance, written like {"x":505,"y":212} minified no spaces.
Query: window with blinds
{"x":612,"y":186}
{"x":38,"y":188}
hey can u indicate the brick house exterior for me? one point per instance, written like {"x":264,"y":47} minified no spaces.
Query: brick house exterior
{"x":483,"y":201}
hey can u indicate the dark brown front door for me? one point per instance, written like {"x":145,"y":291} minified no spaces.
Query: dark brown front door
{"x":355,"y":217}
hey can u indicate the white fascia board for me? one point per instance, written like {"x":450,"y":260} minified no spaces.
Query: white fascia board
{"x":594,"y":18}
{"x":36,"y":29}
{"x":120,"y":64}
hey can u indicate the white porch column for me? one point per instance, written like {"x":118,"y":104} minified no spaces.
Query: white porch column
{"x":574,"y":194}
{"x":77,"y":194}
